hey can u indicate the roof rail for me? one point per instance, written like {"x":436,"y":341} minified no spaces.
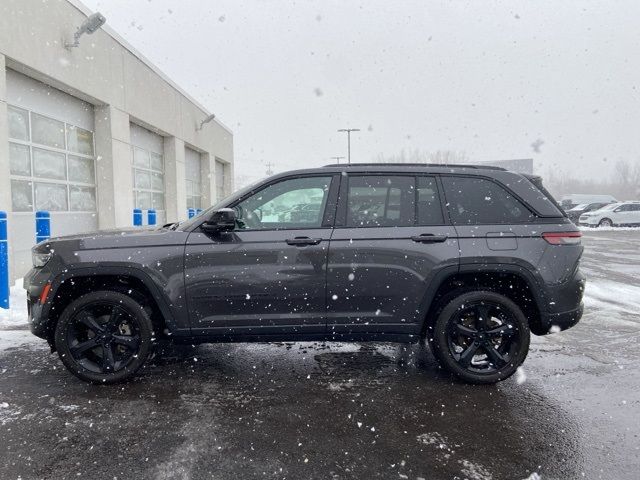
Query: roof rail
{"x":397,"y":164}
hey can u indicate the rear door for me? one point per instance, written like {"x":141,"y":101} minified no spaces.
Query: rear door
{"x":390,"y":242}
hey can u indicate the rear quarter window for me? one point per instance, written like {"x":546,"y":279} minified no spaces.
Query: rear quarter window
{"x":478,"y":201}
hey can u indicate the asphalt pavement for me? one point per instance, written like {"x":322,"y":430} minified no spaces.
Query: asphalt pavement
{"x":342,"y":411}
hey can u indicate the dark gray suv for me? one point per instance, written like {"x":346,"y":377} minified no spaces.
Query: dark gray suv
{"x":470,"y":259}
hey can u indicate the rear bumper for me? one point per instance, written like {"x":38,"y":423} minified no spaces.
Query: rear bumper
{"x":565,"y":320}
{"x":564,"y":305}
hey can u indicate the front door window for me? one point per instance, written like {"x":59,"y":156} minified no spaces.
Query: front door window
{"x":291,"y":204}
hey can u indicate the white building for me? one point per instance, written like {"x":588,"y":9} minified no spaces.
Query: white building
{"x":91,"y":132}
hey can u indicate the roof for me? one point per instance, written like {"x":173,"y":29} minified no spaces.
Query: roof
{"x":422,"y":165}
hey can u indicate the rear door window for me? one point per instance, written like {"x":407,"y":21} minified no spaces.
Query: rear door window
{"x":429,"y":207}
{"x":381,"y":201}
{"x":479,"y":201}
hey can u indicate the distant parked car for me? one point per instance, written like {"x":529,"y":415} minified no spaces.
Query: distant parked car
{"x":575,"y":212}
{"x":621,"y":214}
{"x":567,"y":202}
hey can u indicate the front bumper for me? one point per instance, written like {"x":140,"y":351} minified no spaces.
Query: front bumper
{"x":34,"y":283}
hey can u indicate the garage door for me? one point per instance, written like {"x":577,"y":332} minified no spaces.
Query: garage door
{"x":51,"y":154}
{"x":148,"y":170}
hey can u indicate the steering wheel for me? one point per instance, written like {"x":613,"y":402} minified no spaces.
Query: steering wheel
{"x":247,"y":218}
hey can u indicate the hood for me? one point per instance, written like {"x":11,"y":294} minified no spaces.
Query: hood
{"x":120,"y":238}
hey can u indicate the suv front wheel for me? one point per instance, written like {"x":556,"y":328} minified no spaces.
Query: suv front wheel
{"x":481,"y":336}
{"x":104,"y":337}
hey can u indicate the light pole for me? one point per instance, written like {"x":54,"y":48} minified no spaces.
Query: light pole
{"x":349,"y":130}
{"x":337,"y":159}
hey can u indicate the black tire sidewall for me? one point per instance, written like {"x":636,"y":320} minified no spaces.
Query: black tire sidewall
{"x":440,"y":340}
{"x":125,"y":302}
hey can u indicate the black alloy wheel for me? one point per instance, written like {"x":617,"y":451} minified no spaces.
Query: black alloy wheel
{"x":104,"y":337}
{"x":482,"y":337}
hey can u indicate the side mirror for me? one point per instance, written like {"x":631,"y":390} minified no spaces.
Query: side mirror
{"x":223,"y":220}
{"x":617,"y":210}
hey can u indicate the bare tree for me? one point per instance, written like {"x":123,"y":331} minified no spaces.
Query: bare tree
{"x":446,"y":157}
{"x":622,"y":171}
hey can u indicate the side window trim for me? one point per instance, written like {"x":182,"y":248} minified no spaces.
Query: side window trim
{"x":441,"y":199}
{"x":341,"y":210}
{"x":330,"y":211}
{"x":264,"y":186}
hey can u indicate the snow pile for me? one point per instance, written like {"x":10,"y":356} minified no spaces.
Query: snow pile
{"x":16,"y":316}
{"x":609,"y":229}
{"x":615,"y":301}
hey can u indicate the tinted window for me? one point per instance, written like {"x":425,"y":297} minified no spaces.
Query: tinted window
{"x":480,"y":201}
{"x":380,"y":201}
{"x":294,"y":203}
{"x":429,"y":208}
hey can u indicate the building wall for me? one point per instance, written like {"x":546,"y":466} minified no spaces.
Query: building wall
{"x":119,"y":91}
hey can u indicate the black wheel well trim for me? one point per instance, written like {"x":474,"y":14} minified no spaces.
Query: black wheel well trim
{"x":115,"y":271}
{"x":531,"y":279}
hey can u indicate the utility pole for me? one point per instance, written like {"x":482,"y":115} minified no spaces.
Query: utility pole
{"x":269,"y":171}
{"x":349,"y":130}
{"x":337,"y":159}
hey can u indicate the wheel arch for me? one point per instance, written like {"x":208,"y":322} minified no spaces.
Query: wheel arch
{"x":132,"y":281}
{"x":513,"y":281}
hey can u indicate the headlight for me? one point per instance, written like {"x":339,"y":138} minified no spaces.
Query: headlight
{"x":40,"y":259}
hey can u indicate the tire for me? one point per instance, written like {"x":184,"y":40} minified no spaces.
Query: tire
{"x":104,"y":337}
{"x":605,"y":222}
{"x":481,"y":337}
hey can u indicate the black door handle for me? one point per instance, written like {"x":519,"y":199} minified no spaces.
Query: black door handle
{"x":301,"y":241}
{"x":429,"y":238}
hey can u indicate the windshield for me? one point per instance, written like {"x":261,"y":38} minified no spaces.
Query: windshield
{"x":582,"y":206}
{"x":612,"y":206}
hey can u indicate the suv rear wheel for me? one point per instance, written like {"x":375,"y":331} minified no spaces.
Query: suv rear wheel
{"x":481,"y":336}
{"x":104,"y":337}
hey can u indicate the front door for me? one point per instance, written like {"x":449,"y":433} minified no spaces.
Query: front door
{"x":268,"y":276}
{"x":391,"y":240}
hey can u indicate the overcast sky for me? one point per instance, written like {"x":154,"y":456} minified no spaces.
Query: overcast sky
{"x":486,"y":77}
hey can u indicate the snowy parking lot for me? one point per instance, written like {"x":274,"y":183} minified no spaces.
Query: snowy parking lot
{"x":329,"y":410}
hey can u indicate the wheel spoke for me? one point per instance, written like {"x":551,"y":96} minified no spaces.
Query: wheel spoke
{"x":108,"y":362}
{"x":467,"y":355}
{"x":464,"y":330}
{"x":482,"y":316}
{"x":131,"y":342}
{"x":90,"y":322}
{"x":505,"y":330}
{"x":80,"y":348}
{"x":116,"y":313}
{"x":496,"y":357}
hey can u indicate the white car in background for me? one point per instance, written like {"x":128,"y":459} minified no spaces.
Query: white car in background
{"x":621,"y":214}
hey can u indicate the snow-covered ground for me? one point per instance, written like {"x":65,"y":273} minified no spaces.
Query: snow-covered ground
{"x":16,"y":315}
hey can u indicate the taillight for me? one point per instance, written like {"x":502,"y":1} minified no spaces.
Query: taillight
{"x":562,"y":238}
